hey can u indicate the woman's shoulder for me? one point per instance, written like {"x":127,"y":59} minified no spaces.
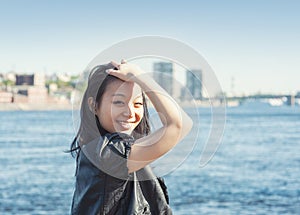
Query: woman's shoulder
{"x":118,"y":136}
{"x":109,"y":153}
{"x":118,"y":143}
{"x":107,"y":141}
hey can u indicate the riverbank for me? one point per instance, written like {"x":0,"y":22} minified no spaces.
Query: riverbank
{"x":68,"y":106}
{"x":34,"y":106}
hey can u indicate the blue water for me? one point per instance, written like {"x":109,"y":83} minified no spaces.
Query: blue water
{"x":256,"y":169}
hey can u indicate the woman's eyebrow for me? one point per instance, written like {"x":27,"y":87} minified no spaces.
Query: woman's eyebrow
{"x":118,"y":94}
{"x":122,"y":95}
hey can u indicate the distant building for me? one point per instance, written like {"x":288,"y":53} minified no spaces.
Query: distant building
{"x":1,"y":77}
{"x":52,"y":88}
{"x":11,"y":76}
{"x":6,"y":97}
{"x":39,"y":80}
{"x":27,"y":80}
{"x":64,"y":77}
{"x":36,"y":79}
{"x":37,"y":94}
{"x":163,"y":75}
{"x":194,"y":83}
{"x":32,"y":87}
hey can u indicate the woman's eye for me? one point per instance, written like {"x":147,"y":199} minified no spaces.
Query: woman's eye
{"x":118,"y":102}
{"x":138,"y":104}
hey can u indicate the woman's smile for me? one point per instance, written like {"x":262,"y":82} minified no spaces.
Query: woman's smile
{"x":125,"y":125}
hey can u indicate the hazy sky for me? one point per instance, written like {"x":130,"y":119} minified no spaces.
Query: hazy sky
{"x":253,"y":44}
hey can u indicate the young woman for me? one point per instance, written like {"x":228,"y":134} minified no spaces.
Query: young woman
{"x":114,"y":145}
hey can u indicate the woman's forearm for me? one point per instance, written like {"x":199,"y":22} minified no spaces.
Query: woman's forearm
{"x":169,"y":111}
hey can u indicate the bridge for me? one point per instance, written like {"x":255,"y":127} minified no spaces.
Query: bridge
{"x":290,"y":99}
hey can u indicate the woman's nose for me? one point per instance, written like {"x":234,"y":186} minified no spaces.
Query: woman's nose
{"x":128,"y":111}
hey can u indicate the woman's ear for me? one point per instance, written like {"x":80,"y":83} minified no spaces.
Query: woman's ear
{"x":92,"y":105}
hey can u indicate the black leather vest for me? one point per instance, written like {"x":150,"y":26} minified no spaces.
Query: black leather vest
{"x":103,"y":185}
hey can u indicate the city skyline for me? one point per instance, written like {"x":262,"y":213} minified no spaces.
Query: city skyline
{"x":174,"y":78}
{"x":252,"y":46}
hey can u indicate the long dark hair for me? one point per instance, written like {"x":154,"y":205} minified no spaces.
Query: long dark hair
{"x":90,"y":127}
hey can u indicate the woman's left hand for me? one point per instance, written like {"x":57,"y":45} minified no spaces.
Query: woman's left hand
{"x":125,"y":71}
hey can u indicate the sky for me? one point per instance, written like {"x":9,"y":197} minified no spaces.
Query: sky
{"x":252,"y":46}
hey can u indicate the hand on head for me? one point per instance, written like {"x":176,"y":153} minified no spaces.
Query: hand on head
{"x":124,"y":71}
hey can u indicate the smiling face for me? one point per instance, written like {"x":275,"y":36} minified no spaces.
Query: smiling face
{"x":121,"y":107}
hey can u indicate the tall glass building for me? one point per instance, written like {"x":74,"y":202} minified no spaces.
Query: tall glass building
{"x":194,"y":83}
{"x":163,"y":75}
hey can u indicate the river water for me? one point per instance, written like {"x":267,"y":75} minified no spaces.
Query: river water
{"x":256,"y":169}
